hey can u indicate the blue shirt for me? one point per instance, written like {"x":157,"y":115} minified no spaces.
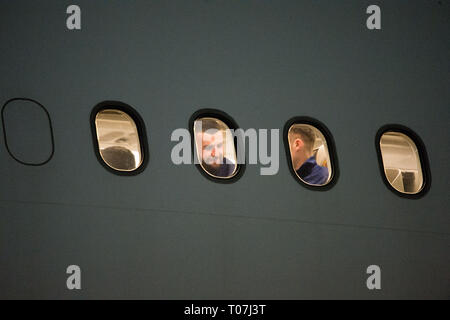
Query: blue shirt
{"x":312,"y":173}
{"x":226,"y":168}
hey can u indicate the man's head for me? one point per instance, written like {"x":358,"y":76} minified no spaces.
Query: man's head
{"x":210,"y":143}
{"x":301,"y":143}
{"x":119,"y":158}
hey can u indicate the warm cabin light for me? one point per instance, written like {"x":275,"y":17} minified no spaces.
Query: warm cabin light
{"x":401,"y":162}
{"x":118,"y":140}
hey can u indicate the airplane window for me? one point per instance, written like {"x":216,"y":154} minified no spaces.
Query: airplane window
{"x":401,"y":162}
{"x":118,"y":140}
{"x":215,"y":147}
{"x":28,"y":132}
{"x":310,"y":157}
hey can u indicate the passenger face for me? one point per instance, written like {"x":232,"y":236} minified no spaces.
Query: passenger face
{"x":212,"y":147}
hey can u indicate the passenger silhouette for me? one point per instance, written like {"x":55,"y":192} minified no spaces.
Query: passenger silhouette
{"x":119,"y":158}
{"x":301,"y":143}
{"x":211,"y":145}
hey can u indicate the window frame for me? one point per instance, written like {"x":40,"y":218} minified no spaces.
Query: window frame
{"x":331,"y":151}
{"x":423,"y":158}
{"x":50,"y":127}
{"x":229,"y":121}
{"x":141,"y":130}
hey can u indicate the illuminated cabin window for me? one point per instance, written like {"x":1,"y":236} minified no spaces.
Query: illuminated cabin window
{"x":118,"y":140}
{"x":310,"y":157}
{"x":401,"y":162}
{"x":215,"y":147}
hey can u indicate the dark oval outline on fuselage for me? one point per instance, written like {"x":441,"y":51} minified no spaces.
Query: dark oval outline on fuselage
{"x":140,"y":125}
{"x":331,"y":151}
{"x":218,"y":114}
{"x":423,"y":157}
{"x":50,"y":126}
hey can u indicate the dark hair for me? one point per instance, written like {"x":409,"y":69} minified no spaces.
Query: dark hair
{"x":208,"y":124}
{"x":211,"y":124}
{"x":119,"y":157}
